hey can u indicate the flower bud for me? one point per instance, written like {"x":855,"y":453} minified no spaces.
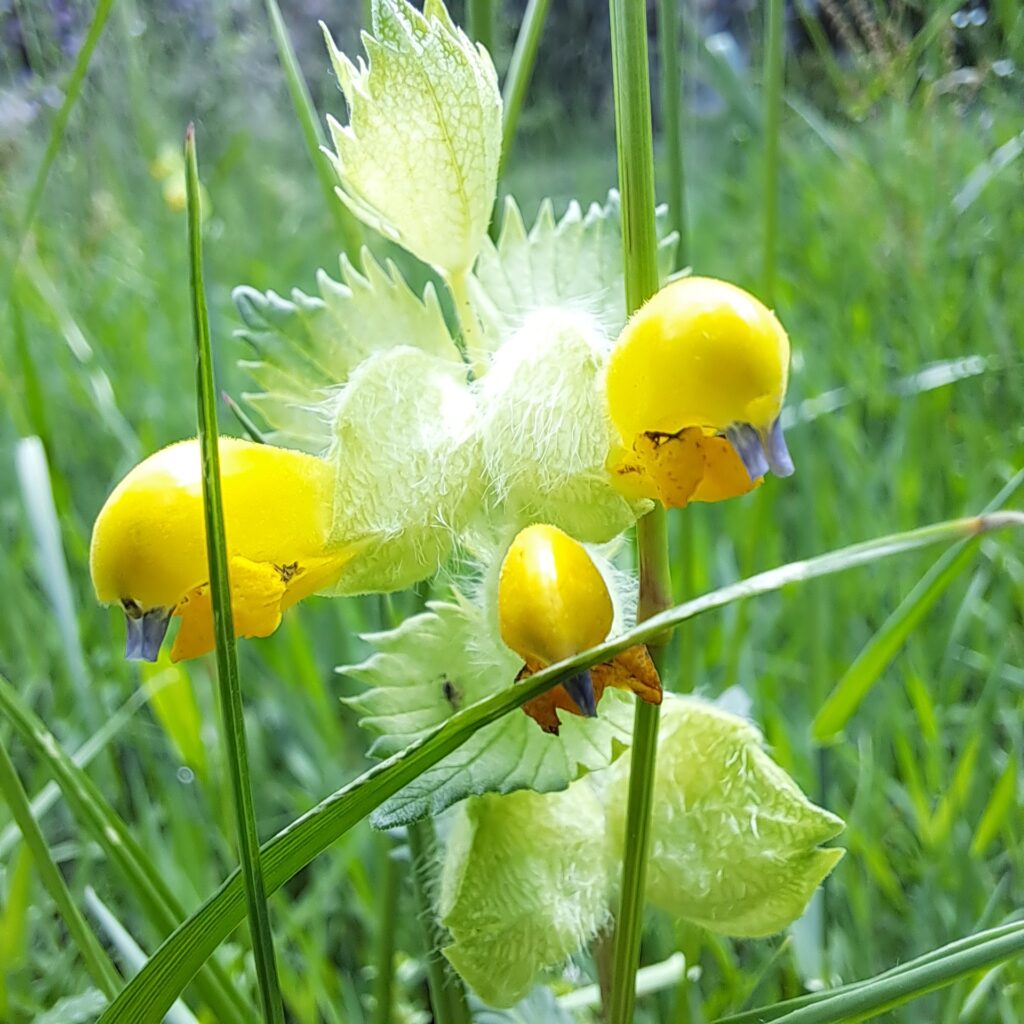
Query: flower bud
{"x":695,"y":387}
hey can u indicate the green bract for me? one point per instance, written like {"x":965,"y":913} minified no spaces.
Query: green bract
{"x":407,"y":458}
{"x":735,"y":843}
{"x":307,"y":346}
{"x":418,"y":159}
{"x":437,"y":662}
{"x":524,"y":886}
{"x":573,"y":263}
{"x":545,"y":431}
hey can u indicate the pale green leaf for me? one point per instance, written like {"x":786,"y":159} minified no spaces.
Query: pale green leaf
{"x":573,"y":263}
{"x":418,"y":159}
{"x":524,"y":886}
{"x":435,"y":663}
{"x":735,"y":843}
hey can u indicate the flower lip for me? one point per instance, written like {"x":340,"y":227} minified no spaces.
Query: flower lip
{"x":146,"y":632}
{"x":761,"y":451}
{"x":581,"y":689}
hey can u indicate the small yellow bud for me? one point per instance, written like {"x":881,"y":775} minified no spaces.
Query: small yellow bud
{"x":695,"y":387}
{"x":553,"y":603}
{"x":149,"y":542}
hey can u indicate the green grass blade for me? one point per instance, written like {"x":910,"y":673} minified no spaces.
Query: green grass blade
{"x":129,"y":951}
{"x":851,"y":690}
{"x":37,"y":494}
{"x":312,"y":131}
{"x":634,"y":145}
{"x":96,"y":960}
{"x":774,"y":60}
{"x":480,"y":19}
{"x":104,"y":827}
{"x":47,"y":796}
{"x":57,"y":128}
{"x":447,"y":994}
{"x":991,"y":943}
{"x":876,"y":997}
{"x":161,"y":981}
{"x":223,"y":624}
{"x":672,"y":121}
{"x":998,"y":810}
{"x":520,"y":71}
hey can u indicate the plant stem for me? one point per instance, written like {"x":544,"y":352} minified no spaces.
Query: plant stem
{"x":312,"y":131}
{"x":672,"y":127}
{"x":480,"y":22}
{"x":223,"y":624}
{"x":773,"y":70}
{"x":472,"y":335}
{"x":384,"y":954}
{"x":96,"y":960}
{"x":635,"y":150}
{"x":447,"y":996}
{"x":520,"y":71}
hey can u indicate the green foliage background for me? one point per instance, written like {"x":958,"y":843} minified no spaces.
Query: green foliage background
{"x":900,"y":248}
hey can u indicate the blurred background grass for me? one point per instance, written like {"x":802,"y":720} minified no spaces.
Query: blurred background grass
{"x":901,"y":281}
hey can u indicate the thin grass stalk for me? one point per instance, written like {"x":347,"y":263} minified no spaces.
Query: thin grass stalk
{"x":520,"y":72}
{"x":169,"y":970}
{"x":57,"y":128}
{"x":773,"y":70}
{"x":480,"y":19}
{"x":97,"y":963}
{"x":447,"y":995}
{"x":384,"y":952}
{"x":672,"y":122}
{"x":223,"y":624}
{"x":312,"y":132}
{"x":635,"y":153}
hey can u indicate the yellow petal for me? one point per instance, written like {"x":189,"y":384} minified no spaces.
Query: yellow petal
{"x":632,"y":670}
{"x":675,"y":469}
{"x":260,"y":592}
{"x":725,"y":476}
{"x":257,"y":589}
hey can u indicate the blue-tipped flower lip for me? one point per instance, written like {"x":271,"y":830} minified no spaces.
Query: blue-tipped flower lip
{"x":581,"y":689}
{"x":761,"y":451}
{"x":146,"y":633}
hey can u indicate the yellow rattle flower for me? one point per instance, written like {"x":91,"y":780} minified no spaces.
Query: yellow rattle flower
{"x":695,"y":386}
{"x":148,"y":548}
{"x":553,"y":603}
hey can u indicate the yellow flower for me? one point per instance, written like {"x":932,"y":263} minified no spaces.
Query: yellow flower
{"x":554,"y":603}
{"x":148,"y":548}
{"x":695,"y":386}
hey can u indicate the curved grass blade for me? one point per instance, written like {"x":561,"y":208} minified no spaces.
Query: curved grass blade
{"x":102,"y":824}
{"x":979,"y":951}
{"x":520,"y":71}
{"x":60,"y":122}
{"x":102,"y":971}
{"x":312,"y":131}
{"x":161,"y":981}
{"x":223,"y":625}
{"x":851,"y":690}
{"x":774,"y":64}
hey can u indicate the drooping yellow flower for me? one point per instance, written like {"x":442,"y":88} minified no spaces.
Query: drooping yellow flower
{"x":554,"y":603}
{"x":695,"y":386}
{"x":148,"y":548}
